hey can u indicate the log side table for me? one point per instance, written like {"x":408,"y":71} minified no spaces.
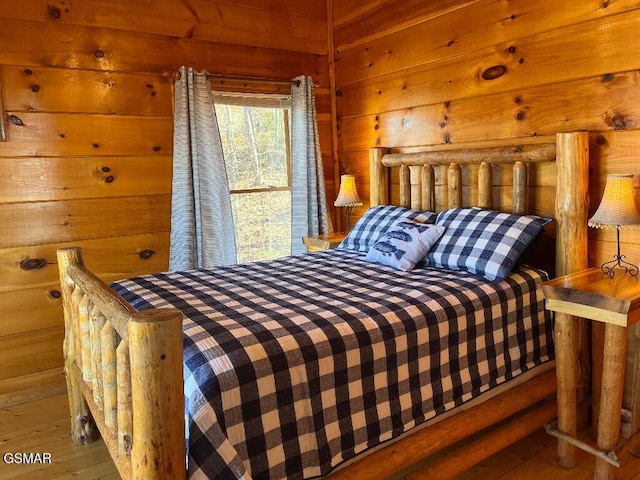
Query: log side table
{"x":592,"y":295}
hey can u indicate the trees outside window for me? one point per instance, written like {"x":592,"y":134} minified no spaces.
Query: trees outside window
{"x":255,"y":141}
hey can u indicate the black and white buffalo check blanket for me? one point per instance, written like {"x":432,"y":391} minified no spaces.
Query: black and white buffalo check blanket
{"x":296,"y":365}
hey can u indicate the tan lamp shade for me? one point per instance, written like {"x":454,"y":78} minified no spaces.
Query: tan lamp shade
{"x":617,"y":208}
{"x":347,"y":196}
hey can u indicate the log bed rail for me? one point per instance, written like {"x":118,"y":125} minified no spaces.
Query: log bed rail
{"x":124,"y":368}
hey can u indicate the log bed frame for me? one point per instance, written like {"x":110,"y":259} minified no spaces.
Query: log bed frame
{"x":124,"y":368}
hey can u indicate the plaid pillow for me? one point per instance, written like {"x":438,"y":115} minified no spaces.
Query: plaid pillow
{"x":483,"y":242}
{"x":404,"y":244}
{"x":376,"y":221}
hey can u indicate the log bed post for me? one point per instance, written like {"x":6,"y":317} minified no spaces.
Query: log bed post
{"x":155,"y":343}
{"x":572,"y":205}
{"x":83,"y":427}
{"x":378,"y":178}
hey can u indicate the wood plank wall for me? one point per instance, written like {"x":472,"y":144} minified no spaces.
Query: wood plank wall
{"x":89,"y":124}
{"x":411,"y":73}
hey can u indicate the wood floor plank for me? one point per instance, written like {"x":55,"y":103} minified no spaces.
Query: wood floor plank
{"x":42,"y":425}
{"x":509,"y":459}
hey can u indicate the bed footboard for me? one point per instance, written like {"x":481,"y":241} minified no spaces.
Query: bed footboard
{"x":124,"y":375}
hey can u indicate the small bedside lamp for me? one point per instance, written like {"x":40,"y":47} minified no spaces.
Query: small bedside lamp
{"x":348,"y":196}
{"x":617,"y":210}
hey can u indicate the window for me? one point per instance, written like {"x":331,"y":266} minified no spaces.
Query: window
{"x":255,"y":139}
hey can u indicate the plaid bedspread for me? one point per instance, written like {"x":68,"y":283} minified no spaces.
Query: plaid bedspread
{"x":295,"y":365}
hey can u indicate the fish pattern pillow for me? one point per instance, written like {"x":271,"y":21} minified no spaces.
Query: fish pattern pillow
{"x":404,"y":244}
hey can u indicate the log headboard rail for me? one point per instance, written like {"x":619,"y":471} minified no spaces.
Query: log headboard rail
{"x":417,"y":176}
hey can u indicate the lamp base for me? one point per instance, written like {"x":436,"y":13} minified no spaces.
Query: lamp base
{"x":609,"y":268}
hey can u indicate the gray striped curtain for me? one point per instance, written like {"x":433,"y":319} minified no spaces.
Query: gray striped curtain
{"x":309,"y":212}
{"x":202,"y":233}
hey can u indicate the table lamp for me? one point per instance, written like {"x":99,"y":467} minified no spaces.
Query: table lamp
{"x":348,"y":196}
{"x":617,"y":210}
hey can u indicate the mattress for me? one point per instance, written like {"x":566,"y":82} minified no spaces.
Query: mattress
{"x":296,"y":365}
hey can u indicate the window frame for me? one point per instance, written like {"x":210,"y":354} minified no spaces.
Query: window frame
{"x":262,"y":100}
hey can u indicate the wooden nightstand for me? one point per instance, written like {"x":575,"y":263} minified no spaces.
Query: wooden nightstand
{"x":315,"y":243}
{"x":592,"y":295}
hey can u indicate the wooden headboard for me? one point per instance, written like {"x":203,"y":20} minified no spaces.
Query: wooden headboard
{"x":446,"y":177}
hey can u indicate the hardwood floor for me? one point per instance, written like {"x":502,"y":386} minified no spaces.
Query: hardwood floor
{"x":41,"y":426}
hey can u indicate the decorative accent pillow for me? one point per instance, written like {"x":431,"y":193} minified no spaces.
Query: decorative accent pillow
{"x":404,"y":244}
{"x":376,"y":221}
{"x":483,"y":242}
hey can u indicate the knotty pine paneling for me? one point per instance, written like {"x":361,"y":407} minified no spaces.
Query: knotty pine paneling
{"x":357,"y":21}
{"x":479,"y":25}
{"x":61,"y":134}
{"x":486,"y":70}
{"x":90,"y":132}
{"x":30,"y":179}
{"x":593,"y":104}
{"x":30,"y":309}
{"x":28,"y":266}
{"x":30,"y":352}
{"x":33,"y":223}
{"x":259,"y":27}
{"x":563,"y":55}
{"x":37,"y":89}
{"x":290,"y":27}
{"x":104,"y":49}
{"x":168,"y":17}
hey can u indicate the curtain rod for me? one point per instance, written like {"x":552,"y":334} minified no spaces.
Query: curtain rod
{"x":175,"y":75}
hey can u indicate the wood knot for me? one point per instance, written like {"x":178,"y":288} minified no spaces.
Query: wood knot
{"x":53,"y":13}
{"x":29,"y":264}
{"x":600,"y":140}
{"x":55,"y":293}
{"x":126,"y":440}
{"x":157,"y":148}
{"x":98,"y":54}
{"x":619,"y":122}
{"x":146,"y":254}
{"x":495,"y":72}
{"x":15,"y":120}
{"x":109,"y":179}
{"x":35,"y":88}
